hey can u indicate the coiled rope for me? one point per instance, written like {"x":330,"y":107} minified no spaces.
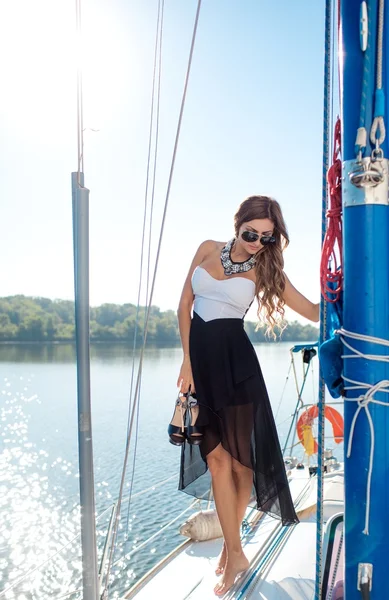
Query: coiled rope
{"x":331,"y":273}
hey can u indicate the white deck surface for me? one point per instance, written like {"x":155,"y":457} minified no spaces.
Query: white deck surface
{"x":288,"y":574}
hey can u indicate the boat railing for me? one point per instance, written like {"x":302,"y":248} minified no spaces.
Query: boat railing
{"x":333,"y":550}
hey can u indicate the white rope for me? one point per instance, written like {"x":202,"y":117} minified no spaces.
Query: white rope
{"x":357,"y":354}
{"x":363,"y":402}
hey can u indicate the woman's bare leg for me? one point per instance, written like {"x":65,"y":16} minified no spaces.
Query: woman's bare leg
{"x":226,"y":500}
{"x":243,"y":479}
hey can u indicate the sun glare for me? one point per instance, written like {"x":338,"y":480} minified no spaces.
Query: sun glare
{"x":106,"y":62}
{"x":39,"y":75}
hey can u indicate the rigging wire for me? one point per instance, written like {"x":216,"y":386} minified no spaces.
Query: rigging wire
{"x":156,"y":150}
{"x":157,"y":61}
{"x":329,"y":47}
{"x":139,"y":375}
{"x":157,"y":533}
{"x":80,"y":110}
{"x":314,"y":395}
{"x":283,"y":391}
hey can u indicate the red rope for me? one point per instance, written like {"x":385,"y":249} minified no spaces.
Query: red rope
{"x":331,"y":273}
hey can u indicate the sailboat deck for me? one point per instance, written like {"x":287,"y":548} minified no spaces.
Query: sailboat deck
{"x":282,"y":559}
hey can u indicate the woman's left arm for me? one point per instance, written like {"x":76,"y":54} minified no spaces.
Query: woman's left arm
{"x":300,"y":303}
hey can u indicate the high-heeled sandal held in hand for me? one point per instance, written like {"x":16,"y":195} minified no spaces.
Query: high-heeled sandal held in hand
{"x":195,"y":432}
{"x":177,"y":433}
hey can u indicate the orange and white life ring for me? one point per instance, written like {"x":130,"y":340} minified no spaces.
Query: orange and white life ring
{"x":305,"y":423}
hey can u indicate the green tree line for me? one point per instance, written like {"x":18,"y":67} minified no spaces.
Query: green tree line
{"x":25,"y":319}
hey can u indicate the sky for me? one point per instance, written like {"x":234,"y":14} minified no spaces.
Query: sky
{"x":252,"y":125}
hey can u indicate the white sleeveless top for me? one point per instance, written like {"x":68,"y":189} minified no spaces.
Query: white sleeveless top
{"x":221,"y":299}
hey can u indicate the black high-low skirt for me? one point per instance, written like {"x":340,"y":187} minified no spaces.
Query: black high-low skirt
{"x":235,"y":409}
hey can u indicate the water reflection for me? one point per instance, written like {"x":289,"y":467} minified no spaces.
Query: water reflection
{"x":39,"y":501}
{"x":66,"y":353}
{"x":39,"y":510}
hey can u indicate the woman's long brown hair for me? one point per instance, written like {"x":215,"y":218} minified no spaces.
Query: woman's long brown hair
{"x":269,"y":267}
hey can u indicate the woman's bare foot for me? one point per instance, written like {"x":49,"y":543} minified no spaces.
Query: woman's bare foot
{"x":235,"y":564}
{"x":221,"y":563}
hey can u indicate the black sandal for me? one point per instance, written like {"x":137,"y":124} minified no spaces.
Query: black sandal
{"x":195,"y":432}
{"x":177,"y":434}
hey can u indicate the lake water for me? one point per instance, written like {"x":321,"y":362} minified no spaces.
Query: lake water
{"x":39,"y":459}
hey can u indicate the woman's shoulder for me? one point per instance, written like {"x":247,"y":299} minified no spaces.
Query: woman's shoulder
{"x":206,"y":250}
{"x":209,"y":246}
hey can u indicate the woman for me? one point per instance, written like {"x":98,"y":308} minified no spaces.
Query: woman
{"x":231,"y":432}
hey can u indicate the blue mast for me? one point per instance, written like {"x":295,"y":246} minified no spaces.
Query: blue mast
{"x":366,"y":305}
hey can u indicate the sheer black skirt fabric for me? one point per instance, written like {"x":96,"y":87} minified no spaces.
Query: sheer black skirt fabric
{"x":235,"y":409}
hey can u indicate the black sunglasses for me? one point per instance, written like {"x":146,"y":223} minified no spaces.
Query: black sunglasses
{"x":250,"y":237}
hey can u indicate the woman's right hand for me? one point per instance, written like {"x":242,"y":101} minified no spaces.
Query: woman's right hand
{"x":185,"y":378}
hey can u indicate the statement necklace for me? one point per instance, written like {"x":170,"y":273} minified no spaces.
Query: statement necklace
{"x":230,"y":267}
